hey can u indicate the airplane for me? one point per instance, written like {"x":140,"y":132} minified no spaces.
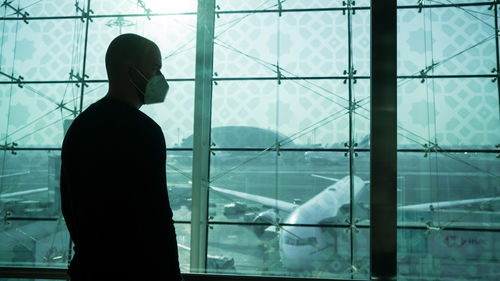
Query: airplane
{"x":298,"y":244}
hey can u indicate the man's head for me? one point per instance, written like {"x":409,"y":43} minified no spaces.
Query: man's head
{"x":131,"y":60}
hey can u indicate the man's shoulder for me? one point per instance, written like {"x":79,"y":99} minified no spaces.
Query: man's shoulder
{"x":108,"y":118}
{"x":148,"y":123}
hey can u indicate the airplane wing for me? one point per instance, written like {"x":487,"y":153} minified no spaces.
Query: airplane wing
{"x":266,"y":201}
{"x":447,"y":204}
{"x":325,"y":178}
{"x":15,"y":174}
{"x":14,"y":194}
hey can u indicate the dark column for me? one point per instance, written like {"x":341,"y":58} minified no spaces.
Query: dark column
{"x":383,"y":168}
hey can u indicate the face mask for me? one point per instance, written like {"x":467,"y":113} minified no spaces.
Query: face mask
{"x":156,"y":88}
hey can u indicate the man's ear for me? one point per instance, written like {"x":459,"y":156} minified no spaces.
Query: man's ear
{"x":127,"y":66}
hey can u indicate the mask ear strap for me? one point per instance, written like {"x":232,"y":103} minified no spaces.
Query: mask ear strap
{"x":140,"y":93}
{"x":136,"y":87}
{"x":140,"y":73}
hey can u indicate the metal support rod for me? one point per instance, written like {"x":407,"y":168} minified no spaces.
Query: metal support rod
{"x":85,"y":56}
{"x":383,"y":159}
{"x":326,"y":9}
{"x":497,"y":52}
{"x":350,"y":68}
{"x":201,"y":136}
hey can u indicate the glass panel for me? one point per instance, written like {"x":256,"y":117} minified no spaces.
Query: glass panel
{"x":29,"y":186}
{"x":179,"y":175}
{"x":183,"y":232}
{"x":444,"y":180}
{"x":29,"y":243}
{"x":48,"y":8}
{"x":320,"y":252}
{"x":5,"y":97}
{"x":42,"y":50}
{"x":293,"y":180}
{"x":361,"y":186}
{"x":320,"y":195}
{"x":361,"y":42}
{"x":245,"y":45}
{"x":361,"y":113}
{"x":311,"y":113}
{"x":462,"y":113}
{"x":33,"y":232}
{"x":457,"y":40}
{"x":93,"y":93}
{"x":174,"y":35}
{"x":298,"y":4}
{"x":440,"y":197}
{"x":231,"y":5}
{"x":308,"y":47}
{"x":37,"y":113}
{"x":103,"y":7}
{"x":448,"y":254}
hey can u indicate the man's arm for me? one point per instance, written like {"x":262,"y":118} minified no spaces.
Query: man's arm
{"x":152,"y":203}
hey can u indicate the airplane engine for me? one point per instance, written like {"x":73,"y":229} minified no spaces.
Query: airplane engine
{"x":265,"y":219}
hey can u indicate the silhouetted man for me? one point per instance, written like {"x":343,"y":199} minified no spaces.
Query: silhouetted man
{"x":113,"y":177}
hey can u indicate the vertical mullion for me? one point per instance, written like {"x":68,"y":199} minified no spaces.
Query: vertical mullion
{"x":201,"y":136}
{"x":85,"y":55}
{"x":350,"y":68}
{"x":383,"y":159}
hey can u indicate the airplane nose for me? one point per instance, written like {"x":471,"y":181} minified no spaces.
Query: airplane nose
{"x":295,"y":258}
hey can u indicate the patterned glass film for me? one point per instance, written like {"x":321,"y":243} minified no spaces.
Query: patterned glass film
{"x":290,"y":130}
{"x":448,"y":139}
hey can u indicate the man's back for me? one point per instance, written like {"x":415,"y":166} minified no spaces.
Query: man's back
{"x":114,"y":197}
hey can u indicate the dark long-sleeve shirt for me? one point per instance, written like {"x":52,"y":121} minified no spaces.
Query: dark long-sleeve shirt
{"x":114,"y":196}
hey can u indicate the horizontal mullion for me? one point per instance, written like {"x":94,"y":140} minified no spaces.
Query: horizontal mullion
{"x":48,"y":149}
{"x":260,"y":11}
{"x":17,"y":218}
{"x":95,"y":81}
{"x":443,"y":76}
{"x":450,"y":228}
{"x":8,"y":218}
{"x":361,"y":77}
{"x":327,"y":9}
{"x":445,"y":5}
{"x":61,"y":273}
{"x":416,"y":227}
{"x":97,"y":16}
{"x":453,"y":150}
{"x":33,"y":272}
{"x":259,"y":78}
{"x":259,"y":149}
{"x":284,"y":224}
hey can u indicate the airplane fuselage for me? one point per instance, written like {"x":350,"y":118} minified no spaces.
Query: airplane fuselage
{"x":312,"y":243}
